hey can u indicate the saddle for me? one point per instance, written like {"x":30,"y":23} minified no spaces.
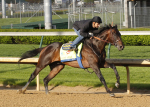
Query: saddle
{"x":66,"y":55}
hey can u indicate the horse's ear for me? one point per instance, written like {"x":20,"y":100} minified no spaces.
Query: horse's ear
{"x":115,"y":26}
{"x":110,"y":26}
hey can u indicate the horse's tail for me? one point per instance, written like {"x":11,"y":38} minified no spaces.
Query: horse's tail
{"x":30,"y":54}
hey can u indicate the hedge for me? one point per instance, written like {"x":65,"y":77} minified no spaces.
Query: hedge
{"x":34,"y":39}
{"x":136,"y":40}
{"x":130,"y":40}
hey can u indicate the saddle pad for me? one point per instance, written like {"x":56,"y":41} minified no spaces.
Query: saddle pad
{"x":66,"y":55}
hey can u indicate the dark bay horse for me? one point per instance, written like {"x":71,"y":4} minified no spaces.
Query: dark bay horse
{"x":93,"y":56}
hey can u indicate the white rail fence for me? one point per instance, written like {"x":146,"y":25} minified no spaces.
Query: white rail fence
{"x":118,"y":62}
{"x":65,"y":33}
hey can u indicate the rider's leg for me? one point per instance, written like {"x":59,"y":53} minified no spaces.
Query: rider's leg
{"x":77,"y":40}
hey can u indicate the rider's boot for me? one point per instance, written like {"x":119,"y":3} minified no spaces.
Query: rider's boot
{"x":73,"y":49}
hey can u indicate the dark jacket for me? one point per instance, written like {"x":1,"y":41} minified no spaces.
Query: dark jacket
{"x":85,"y":26}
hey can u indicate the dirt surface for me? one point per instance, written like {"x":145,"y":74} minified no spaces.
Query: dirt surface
{"x":62,"y":96}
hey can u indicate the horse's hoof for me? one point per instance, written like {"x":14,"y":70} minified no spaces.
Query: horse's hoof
{"x":112,"y":95}
{"x":21,"y":91}
{"x":117,"y":85}
{"x":46,"y":92}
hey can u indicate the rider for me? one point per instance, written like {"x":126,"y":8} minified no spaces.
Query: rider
{"x":83,"y":28}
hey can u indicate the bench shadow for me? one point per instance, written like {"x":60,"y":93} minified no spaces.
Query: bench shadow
{"x":11,"y":84}
{"x":135,"y":88}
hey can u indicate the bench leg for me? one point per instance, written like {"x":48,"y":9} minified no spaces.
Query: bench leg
{"x":38,"y":82}
{"x":128,"y":80}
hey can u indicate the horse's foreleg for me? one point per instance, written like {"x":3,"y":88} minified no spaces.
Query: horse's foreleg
{"x":100,"y":76}
{"x":33,"y":75}
{"x":108,"y":65}
{"x":55,"y":69}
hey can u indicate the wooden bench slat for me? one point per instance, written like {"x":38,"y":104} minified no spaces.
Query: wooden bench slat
{"x":15,"y":60}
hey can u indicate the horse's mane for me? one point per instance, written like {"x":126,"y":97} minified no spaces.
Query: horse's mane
{"x":106,"y":27}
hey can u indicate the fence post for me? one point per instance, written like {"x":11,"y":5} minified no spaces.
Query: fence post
{"x":134,"y":16}
{"x":128,"y":80}
{"x":109,"y":51}
{"x":38,"y":77}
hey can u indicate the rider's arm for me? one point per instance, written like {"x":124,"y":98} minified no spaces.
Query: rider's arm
{"x":97,"y":31}
{"x":84,"y":32}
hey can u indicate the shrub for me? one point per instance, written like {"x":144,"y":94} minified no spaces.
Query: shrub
{"x":128,"y":40}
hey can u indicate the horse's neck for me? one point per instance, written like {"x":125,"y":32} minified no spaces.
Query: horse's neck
{"x":101,"y":43}
{"x":96,"y":45}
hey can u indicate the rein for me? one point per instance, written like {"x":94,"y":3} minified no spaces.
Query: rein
{"x":101,"y":40}
{"x":106,"y":40}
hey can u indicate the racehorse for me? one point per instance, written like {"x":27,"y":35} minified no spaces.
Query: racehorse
{"x":93,"y":56}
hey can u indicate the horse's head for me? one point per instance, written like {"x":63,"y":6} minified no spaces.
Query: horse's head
{"x":109,"y":34}
{"x":113,"y":36}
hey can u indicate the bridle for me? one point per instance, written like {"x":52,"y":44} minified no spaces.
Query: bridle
{"x":115,"y":43}
{"x":106,"y":40}
{"x":100,"y":39}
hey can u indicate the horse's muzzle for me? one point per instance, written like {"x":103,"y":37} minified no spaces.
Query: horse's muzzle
{"x":120,"y":47}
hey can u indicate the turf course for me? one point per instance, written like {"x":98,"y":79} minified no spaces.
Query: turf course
{"x":8,"y":21}
{"x":13,"y":74}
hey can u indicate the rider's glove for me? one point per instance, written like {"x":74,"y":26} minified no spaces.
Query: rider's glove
{"x":91,"y":34}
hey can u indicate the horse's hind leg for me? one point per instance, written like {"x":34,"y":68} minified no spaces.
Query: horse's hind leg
{"x":33,"y":75}
{"x":108,"y":65}
{"x":56,"y":67}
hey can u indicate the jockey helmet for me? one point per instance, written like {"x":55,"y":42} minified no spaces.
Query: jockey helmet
{"x":97,"y":19}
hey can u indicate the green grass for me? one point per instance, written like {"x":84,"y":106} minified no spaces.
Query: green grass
{"x":13,"y":74}
{"x":116,"y":20}
{"x":130,"y":52}
{"x":8,"y":21}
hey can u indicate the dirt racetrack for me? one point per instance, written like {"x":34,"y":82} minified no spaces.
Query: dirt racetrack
{"x":62,"y":96}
